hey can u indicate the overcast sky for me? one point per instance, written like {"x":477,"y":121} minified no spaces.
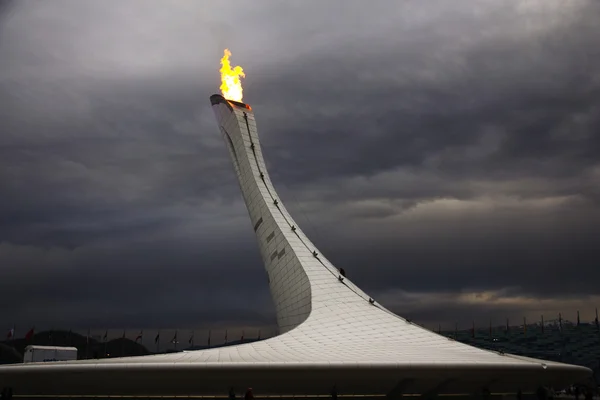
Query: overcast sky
{"x":446,"y":154}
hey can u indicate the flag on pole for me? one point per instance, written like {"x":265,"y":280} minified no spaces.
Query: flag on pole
{"x":140,"y":336}
{"x":242,"y":339}
{"x":104,"y":339}
{"x":157,"y":341}
{"x":11,"y":333}
{"x":559,"y":322}
{"x":29,"y":334}
{"x":191,"y":340}
{"x":174,"y":340}
{"x":578,"y":321}
{"x":87,"y":344}
{"x":225,"y":336}
{"x":209,"y":338}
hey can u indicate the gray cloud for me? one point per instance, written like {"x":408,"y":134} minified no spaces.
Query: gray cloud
{"x":433,"y":150}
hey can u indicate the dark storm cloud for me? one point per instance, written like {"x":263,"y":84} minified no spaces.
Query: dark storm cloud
{"x":5,"y":8}
{"x":516,"y":120}
{"x":431,"y":150}
{"x":544,"y":122}
{"x":154,"y":287}
{"x":75,"y":172}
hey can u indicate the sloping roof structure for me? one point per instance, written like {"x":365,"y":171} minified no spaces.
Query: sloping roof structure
{"x":332,"y":333}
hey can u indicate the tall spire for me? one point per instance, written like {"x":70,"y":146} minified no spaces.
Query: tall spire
{"x":291,"y":260}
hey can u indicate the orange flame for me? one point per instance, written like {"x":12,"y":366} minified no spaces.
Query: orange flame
{"x":231,"y":86}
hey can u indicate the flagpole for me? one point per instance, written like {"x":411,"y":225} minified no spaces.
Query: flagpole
{"x":140,"y":336}
{"x":560,"y":322}
{"x":10,"y":336}
{"x":105,"y":339}
{"x":87,"y":344}
{"x":174,"y":340}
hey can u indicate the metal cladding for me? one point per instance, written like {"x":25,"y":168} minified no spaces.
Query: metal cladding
{"x":332,"y":333}
{"x":286,"y":253}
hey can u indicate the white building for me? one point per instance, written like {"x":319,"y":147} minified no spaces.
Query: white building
{"x":332,"y":333}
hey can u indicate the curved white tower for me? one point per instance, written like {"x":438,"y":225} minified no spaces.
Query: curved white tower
{"x":301,"y":279}
{"x":284,"y":248}
{"x":328,"y":319}
{"x":333,"y":334}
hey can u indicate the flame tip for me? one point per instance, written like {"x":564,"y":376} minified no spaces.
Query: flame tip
{"x":231,"y":86}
